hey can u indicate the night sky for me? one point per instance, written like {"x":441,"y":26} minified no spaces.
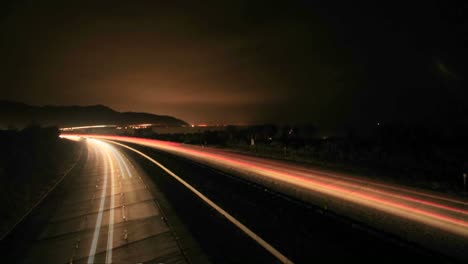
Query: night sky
{"x":332,"y":64}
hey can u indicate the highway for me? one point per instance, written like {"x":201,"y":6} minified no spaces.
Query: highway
{"x":105,"y":213}
{"x":136,"y":200}
{"x":434,"y":221}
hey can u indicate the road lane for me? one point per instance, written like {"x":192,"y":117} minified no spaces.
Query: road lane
{"x":108,"y":216}
{"x":433,"y":220}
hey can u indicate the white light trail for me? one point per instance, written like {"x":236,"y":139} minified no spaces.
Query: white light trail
{"x":97,"y":228}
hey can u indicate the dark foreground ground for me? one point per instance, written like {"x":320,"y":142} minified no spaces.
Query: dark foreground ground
{"x":32,"y":161}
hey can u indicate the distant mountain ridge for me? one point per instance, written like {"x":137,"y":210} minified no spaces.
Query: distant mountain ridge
{"x":19,"y":115}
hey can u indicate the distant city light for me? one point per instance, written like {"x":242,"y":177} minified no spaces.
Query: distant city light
{"x":85,"y":127}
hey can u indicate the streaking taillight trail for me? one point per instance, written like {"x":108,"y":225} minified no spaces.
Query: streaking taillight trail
{"x":394,"y":208}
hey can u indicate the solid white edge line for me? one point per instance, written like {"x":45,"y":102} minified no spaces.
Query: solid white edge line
{"x":220,"y":210}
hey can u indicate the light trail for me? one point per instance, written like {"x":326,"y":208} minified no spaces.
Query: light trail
{"x":422,"y":209}
{"x":334,"y":186}
{"x":97,"y":228}
{"x":85,"y":127}
{"x":110,"y":233}
{"x":285,"y":165}
{"x":119,"y":155}
{"x":109,"y":154}
{"x":85,"y":226}
{"x":119,"y":162}
{"x":379,"y":189}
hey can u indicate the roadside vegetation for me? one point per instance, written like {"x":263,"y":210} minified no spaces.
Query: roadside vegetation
{"x":32,"y":160}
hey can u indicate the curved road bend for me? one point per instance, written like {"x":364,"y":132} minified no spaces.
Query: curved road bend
{"x":434,"y":221}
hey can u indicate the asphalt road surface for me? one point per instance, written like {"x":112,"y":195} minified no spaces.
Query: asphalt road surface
{"x":105,"y":213}
{"x":416,"y":217}
{"x":150,"y":201}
